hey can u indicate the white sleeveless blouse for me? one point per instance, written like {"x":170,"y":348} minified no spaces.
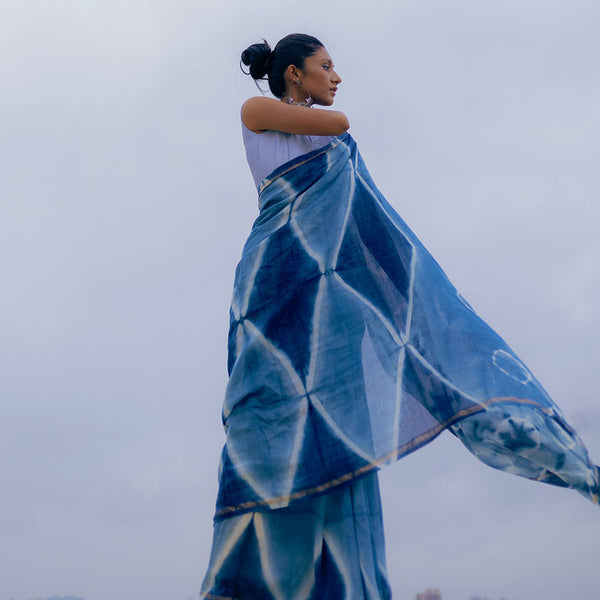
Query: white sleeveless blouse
{"x":268,"y":150}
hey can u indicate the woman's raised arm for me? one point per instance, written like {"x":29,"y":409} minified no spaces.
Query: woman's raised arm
{"x":262,"y":114}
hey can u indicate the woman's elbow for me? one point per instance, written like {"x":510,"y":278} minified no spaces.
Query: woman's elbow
{"x":342,"y":124}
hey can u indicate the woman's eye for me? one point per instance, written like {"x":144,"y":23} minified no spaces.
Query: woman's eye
{"x":326,"y":67}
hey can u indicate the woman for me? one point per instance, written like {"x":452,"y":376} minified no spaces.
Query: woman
{"x":348,"y":348}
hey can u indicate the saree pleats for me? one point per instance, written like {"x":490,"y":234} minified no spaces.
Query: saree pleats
{"x":349,"y":348}
{"x":325,"y":548}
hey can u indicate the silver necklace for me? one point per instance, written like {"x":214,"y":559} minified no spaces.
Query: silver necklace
{"x":308,"y":102}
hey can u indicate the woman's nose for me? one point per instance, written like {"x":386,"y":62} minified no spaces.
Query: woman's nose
{"x":337,"y":78}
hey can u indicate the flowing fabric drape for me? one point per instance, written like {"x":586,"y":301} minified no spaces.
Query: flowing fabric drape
{"x":349,"y":348}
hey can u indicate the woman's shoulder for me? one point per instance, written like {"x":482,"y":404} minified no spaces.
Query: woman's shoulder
{"x":253,"y":108}
{"x":258,"y":102}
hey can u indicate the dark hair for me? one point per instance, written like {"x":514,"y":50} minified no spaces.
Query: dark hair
{"x":269,"y":64}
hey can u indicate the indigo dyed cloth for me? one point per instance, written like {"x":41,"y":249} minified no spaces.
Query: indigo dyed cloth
{"x":349,"y":348}
{"x":326,"y":548}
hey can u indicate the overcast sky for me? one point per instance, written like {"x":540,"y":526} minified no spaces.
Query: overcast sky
{"x":125,"y":201}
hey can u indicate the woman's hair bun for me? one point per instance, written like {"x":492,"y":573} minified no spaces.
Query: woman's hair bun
{"x":257,"y":57}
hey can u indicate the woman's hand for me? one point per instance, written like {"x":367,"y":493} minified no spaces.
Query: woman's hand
{"x":261,"y":114}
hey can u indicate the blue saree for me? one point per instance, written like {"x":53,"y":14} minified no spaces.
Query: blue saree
{"x":348,"y":349}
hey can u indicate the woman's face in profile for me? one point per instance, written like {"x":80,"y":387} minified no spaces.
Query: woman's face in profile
{"x":319,"y":77}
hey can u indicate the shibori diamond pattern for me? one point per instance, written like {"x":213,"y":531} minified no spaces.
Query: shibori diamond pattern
{"x":349,"y":348}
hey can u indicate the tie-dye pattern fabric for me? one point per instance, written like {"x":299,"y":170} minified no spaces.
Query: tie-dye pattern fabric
{"x":349,"y":348}
{"x":325,"y":548}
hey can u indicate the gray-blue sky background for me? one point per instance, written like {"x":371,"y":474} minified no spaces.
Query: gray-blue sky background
{"x":125,"y":200}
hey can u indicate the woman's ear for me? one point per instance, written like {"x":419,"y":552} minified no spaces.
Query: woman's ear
{"x":292,"y":75}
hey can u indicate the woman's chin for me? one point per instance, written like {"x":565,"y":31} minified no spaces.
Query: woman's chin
{"x":323,"y":101}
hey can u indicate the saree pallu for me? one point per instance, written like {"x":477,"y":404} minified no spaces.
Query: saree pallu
{"x":349,"y":348}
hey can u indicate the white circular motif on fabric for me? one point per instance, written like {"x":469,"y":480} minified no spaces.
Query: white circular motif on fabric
{"x":512,"y":367}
